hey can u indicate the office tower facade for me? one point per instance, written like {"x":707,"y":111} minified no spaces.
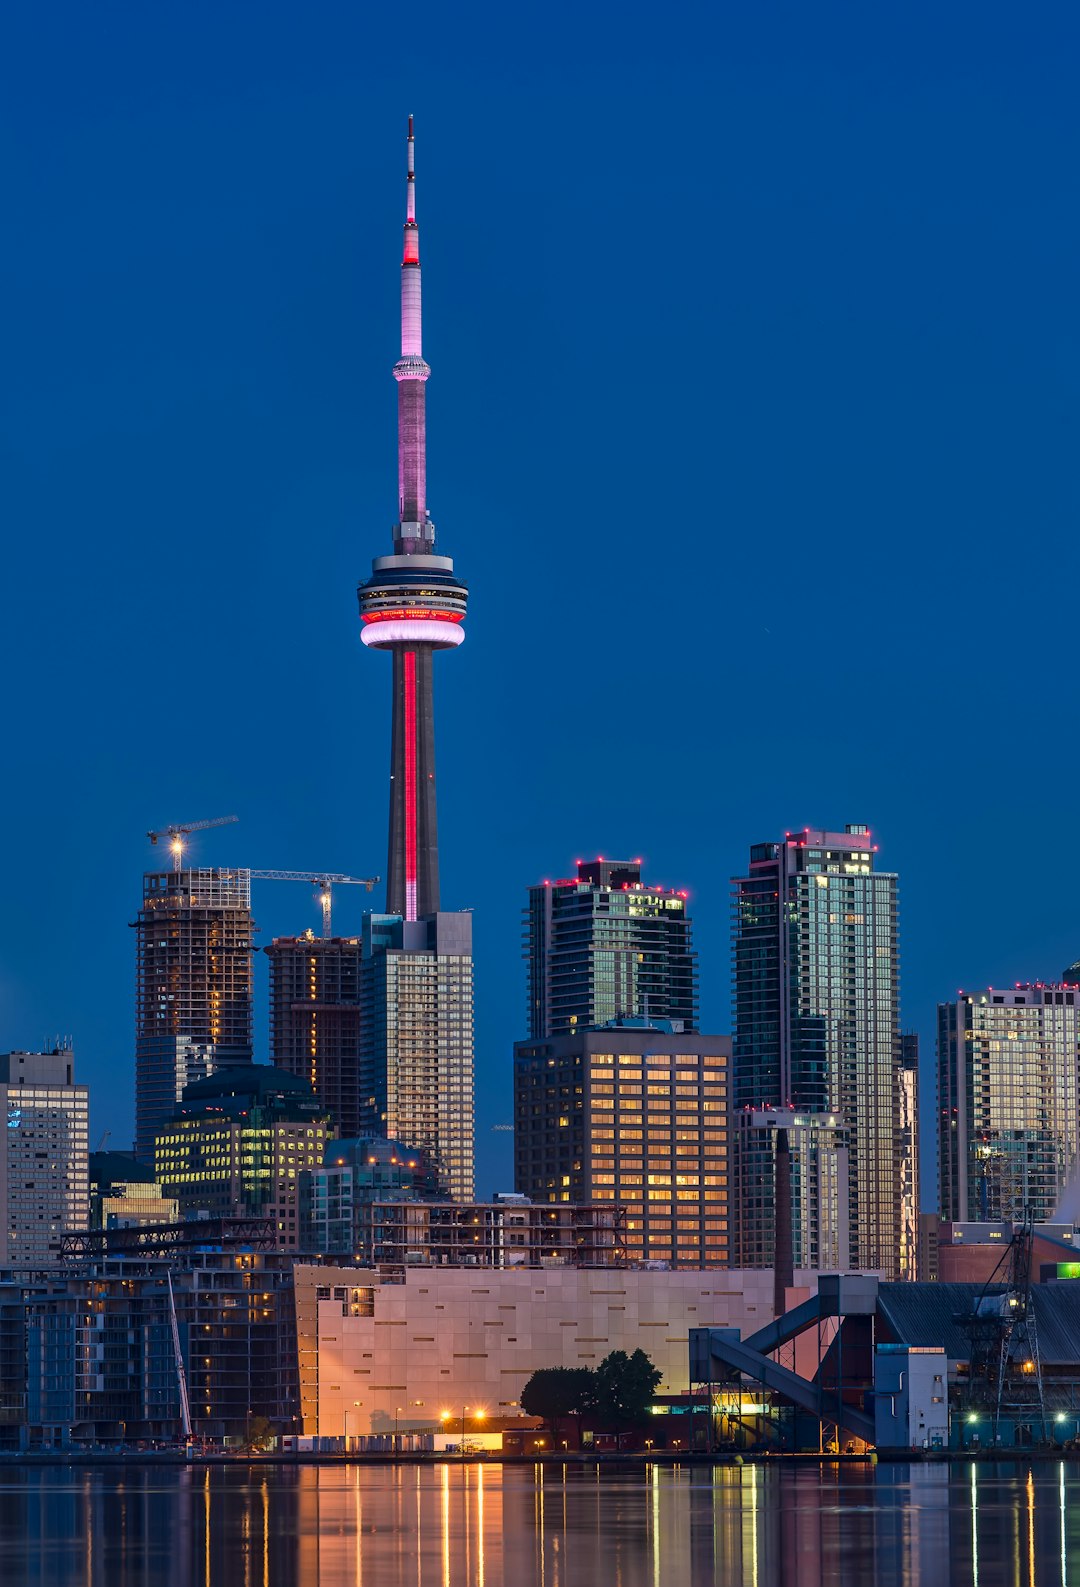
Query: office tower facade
{"x":817,"y":1040}
{"x":416,"y":1031}
{"x":44,"y":1154}
{"x":412,"y":606}
{"x":315,"y":1020}
{"x":193,"y":994}
{"x":633,"y":1117}
{"x":603,"y":946}
{"x":237,"y":1145}
{"x":1009,"y":1101}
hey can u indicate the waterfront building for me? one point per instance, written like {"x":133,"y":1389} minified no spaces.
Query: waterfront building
{"x":125,"y":1195}
{"x":44,"y":1150}
{"x":603,"y":946}
{"x":1009,"y":1100}
{"x":439,"y":1340}
{"x":416,"y":1038}
{"x":237,"y":1144}
{"x":87,"y":1352}
{"x":193,"y":990}
{"x":315,"y":1019}
{"x":413,"y":605}
{"x":635,"y":1116}
{"x":817,"y":1034}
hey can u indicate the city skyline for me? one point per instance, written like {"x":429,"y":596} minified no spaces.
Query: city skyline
{"x":232,"y":458}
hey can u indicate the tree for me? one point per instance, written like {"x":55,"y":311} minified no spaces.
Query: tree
{"x":558,"y":1391}
{"x":624,"y":1387}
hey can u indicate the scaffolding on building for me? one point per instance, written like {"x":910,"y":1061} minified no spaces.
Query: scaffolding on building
{"x":404,"y":1234}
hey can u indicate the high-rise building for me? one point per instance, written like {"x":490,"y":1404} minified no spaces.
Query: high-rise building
{"x":1009,"y":1101}
{"x":817,"y":1036}
{"x":315,"y":1019}
{"x":44,"y":1152}
{"x":412,"y":606}
{"x":237,"y":1145}
{"x":604,"y":945}
{"x":193,"y":1014}
{"x":635,"y":1116}
{"x":416,"y":1032}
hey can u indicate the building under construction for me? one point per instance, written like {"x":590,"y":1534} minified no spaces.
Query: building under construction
{"x":510,"y":1233}
{"x":193,"y":998}
{"x":315,"y":1019}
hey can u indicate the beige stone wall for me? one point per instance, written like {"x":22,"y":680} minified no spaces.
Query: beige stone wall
{"x":472,"y":1337}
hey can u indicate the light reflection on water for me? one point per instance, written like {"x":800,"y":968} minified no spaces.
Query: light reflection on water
{"x":450,"y":1525}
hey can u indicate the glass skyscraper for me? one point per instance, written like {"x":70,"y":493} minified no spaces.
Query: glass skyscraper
{"x":817,"y":1041}
{"x":603,"y":946}
{"x":1009,"y":1099}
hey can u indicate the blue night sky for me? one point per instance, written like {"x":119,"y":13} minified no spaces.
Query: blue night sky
{"x":752,"y":426}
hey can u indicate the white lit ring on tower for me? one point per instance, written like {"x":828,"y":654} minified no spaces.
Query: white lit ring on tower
{"x":388,"y":628}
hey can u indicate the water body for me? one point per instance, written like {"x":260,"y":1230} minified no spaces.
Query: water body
{"x":450,"y":1525}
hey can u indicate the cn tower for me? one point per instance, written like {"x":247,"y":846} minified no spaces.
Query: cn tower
{"x":412,"y":605}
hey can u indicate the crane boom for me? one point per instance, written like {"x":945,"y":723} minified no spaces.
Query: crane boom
{"x":325,"y":881}
{"x":177,"y":831}
{"x":181,"y":1375}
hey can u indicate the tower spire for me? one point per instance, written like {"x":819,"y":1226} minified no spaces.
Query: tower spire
{"x":415,"y":531}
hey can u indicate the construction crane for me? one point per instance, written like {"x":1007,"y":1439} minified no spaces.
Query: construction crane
{"x":181,"y":1375}
{"x":325,"y":882}
{"x":178,"y":832}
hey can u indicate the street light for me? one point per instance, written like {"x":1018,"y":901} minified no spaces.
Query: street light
{"x":478,"y":1414}
{"x":356,"y":1407}
{"x":397,"y":1413}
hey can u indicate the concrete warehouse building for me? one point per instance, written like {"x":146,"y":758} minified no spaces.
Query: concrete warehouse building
{"x":449,"y":1338}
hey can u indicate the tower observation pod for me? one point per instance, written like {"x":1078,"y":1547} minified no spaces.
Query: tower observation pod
{"x":412,"y":605}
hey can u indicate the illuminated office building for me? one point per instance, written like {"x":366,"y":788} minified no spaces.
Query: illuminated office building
{"x":635,"y":1117}
{"x":237,"y":1145}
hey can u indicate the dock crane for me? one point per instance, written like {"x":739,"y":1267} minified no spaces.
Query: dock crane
{"x":325,"y":882}
{"x":179,"y":831}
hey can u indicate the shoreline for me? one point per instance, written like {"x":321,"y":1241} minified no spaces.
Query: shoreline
{"x":172,"y":1458}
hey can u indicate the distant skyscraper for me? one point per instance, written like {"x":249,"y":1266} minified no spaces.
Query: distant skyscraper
{"x":604,"y":946}
{"x":315,"y":1019}
{"x":416,"y":1032}
{"x":412,"y":605}
{"x":1009,"y":1100}
{"x":193,"y":1015}
{"x":636,"y":1117}
{"x":817,"y":1034}
{"x":44,"y":1155}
